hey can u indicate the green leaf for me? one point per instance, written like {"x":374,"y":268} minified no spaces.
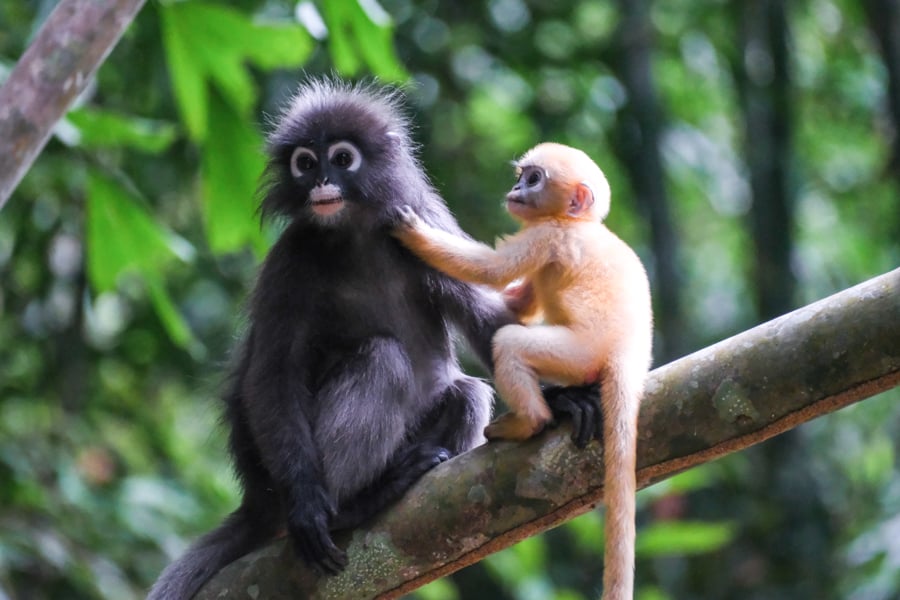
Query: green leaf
{"x":211,"y":44}
{"x":337,"y":19}
{"x":277,"y":45}
{"x":175,"y":325}
{"x":699,"y":477}
{"x":123,"y":238}
{"x":669,"y":538}
{"x":185,"y":71}
{"x":439,"y":589}
{"x":104,"y":129}
{"x":354,"y":39}
{"x":376,"y":45}
{"x":230,"y":172}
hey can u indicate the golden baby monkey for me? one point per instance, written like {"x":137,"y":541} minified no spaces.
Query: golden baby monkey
{"x":592,"y":291}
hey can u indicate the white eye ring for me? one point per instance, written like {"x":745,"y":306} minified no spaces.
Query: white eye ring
{"x":299,"y":151}
{"x":353,"y":151}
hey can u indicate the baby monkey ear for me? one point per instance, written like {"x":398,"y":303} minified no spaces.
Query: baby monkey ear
{"x":581,"y":201}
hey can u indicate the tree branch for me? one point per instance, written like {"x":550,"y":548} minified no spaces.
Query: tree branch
{"x":729,"y":396}
{"x":56,"y":67}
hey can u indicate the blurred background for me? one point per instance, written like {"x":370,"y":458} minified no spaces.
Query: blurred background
{"x":753,"y":148}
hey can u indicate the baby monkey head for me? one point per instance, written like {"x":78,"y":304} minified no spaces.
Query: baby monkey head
{"x":557,"y":181}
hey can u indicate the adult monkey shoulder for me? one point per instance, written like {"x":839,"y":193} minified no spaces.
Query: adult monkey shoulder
{"x":337,"y":402}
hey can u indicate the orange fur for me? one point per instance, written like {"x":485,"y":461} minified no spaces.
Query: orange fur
{"x":597,"y":319}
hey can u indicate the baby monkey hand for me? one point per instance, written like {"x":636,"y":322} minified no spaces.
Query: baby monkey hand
{"x":406,"y":219}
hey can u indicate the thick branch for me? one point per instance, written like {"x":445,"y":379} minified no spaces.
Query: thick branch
{"x":56,"y":67}
{"x":719,"y":400}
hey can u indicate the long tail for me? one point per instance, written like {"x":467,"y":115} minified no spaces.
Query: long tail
{"x":237,"y":535}
{"x":620,"y":402}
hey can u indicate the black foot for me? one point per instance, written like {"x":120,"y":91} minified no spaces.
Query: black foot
{"x":582,"y":405}
{"x":418,"y":461}
{"x":399,"y":477}
{"x":307,"y":523}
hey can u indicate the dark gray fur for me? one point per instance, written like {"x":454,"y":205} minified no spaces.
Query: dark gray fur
{"x":347,"y":387}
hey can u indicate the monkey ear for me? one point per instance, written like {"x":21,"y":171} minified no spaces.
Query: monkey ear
{"x":582,"y":200}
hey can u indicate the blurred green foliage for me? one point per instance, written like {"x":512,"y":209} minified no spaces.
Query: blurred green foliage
{"x":126,"y":254}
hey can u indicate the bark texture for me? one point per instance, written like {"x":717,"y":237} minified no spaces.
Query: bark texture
{"x":721,"y":399}
{"x":55,"y":69}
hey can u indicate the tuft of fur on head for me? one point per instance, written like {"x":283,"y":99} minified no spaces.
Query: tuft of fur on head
{"x":370,"y":114}
{"x":320,"y":96}
{"x":571,"y":166}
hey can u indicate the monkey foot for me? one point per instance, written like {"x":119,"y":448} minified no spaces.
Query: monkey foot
{"x":582,"y":405}
{"x":512,"y":426}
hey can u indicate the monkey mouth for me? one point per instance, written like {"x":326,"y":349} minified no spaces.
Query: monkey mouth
{"x":326,"y":200}
{"x":515,"y":197}
{"x":515,"y":204}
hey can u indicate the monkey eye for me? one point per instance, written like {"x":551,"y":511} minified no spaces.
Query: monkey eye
{"x":303,"y":160}
{"x":533,"y":177}
{"x":345,"y":155}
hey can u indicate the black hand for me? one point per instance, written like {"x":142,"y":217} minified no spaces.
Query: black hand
{"x":582,"y":405}
{"x":308,"y":524}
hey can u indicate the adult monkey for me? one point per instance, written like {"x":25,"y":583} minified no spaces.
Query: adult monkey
{"x":346,"y":388}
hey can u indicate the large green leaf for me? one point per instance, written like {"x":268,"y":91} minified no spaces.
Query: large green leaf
{"x":104,"y":129}
{"x":356,"y":39}
{"x":186,"y":71}
{"x":230,"y":170}
{"x":668,"y":538}
{"x":210,"y":44}
{"x":122,"y":238}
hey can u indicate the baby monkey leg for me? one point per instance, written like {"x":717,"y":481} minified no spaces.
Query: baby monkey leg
{"x":523,"y":356}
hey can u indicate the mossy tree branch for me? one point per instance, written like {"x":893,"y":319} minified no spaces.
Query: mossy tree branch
{"x":729,"y":396}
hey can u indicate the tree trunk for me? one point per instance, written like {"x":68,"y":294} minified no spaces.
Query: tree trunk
{"x":637,"y":139}
{"x":729,"y":396}
{"x":763,"y":82}
{"x":55,"y":69}
{"x":884,"y":21}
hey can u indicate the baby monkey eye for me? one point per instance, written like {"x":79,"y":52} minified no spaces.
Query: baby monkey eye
{"x":302,"y":161}
{"x":533,"y":177}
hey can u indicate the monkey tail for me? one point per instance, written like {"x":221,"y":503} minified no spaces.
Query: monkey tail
{"x":240,"y":533}
{"x":620,"y":401}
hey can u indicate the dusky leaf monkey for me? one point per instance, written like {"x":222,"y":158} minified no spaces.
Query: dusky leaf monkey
{"x":346,"y":387}
{"x":592,"y":292}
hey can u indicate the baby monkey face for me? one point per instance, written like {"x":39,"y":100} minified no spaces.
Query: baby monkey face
{"x":532,"y":195}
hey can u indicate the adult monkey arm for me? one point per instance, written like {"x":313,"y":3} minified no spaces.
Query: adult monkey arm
{"x":274,"y":405}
